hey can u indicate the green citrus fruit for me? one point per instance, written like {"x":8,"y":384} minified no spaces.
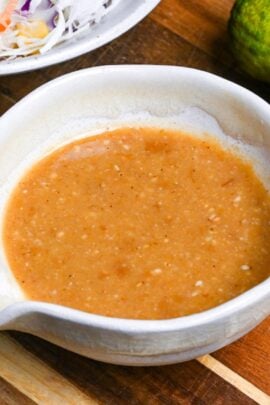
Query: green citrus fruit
{"x":249,"y":29}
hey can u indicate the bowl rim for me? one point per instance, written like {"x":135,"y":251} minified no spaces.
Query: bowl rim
{"x":80,"y":47}
{"x":141,"y":326}
{"x":237,"y":304}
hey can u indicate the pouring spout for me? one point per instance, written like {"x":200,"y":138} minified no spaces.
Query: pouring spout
{"x":5,"y":301}
{"x":10,"y":291}
{"x":10,"y":311}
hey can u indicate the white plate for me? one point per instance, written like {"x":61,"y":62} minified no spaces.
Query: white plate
{"x":124,"y":16}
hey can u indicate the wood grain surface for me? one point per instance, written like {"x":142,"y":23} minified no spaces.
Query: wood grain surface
{"x":178,"y":32}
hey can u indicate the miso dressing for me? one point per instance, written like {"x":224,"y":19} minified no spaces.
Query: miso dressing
{"x":139,"y":223}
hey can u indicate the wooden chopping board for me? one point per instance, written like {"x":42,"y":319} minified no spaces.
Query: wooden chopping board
{"x":179,"y":32}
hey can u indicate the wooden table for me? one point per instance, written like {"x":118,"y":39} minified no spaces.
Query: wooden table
{"x":179,"y":32}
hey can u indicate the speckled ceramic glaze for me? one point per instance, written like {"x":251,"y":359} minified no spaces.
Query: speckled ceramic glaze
{"x":87,"y":102}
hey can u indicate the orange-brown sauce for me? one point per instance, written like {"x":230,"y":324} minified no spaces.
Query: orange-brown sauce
{"x":139,"y":223}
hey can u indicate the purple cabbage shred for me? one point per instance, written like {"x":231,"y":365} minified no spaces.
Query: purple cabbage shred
{"x":26,"y":5}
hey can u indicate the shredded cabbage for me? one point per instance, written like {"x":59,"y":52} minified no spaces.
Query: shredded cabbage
{"x":38,"y":25}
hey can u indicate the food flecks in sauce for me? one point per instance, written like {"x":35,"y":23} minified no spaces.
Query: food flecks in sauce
{"x":139,"y":223}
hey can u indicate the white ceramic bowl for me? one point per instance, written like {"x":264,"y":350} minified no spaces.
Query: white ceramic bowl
{"x":123,"y":16}
{"x":89,"y":101}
